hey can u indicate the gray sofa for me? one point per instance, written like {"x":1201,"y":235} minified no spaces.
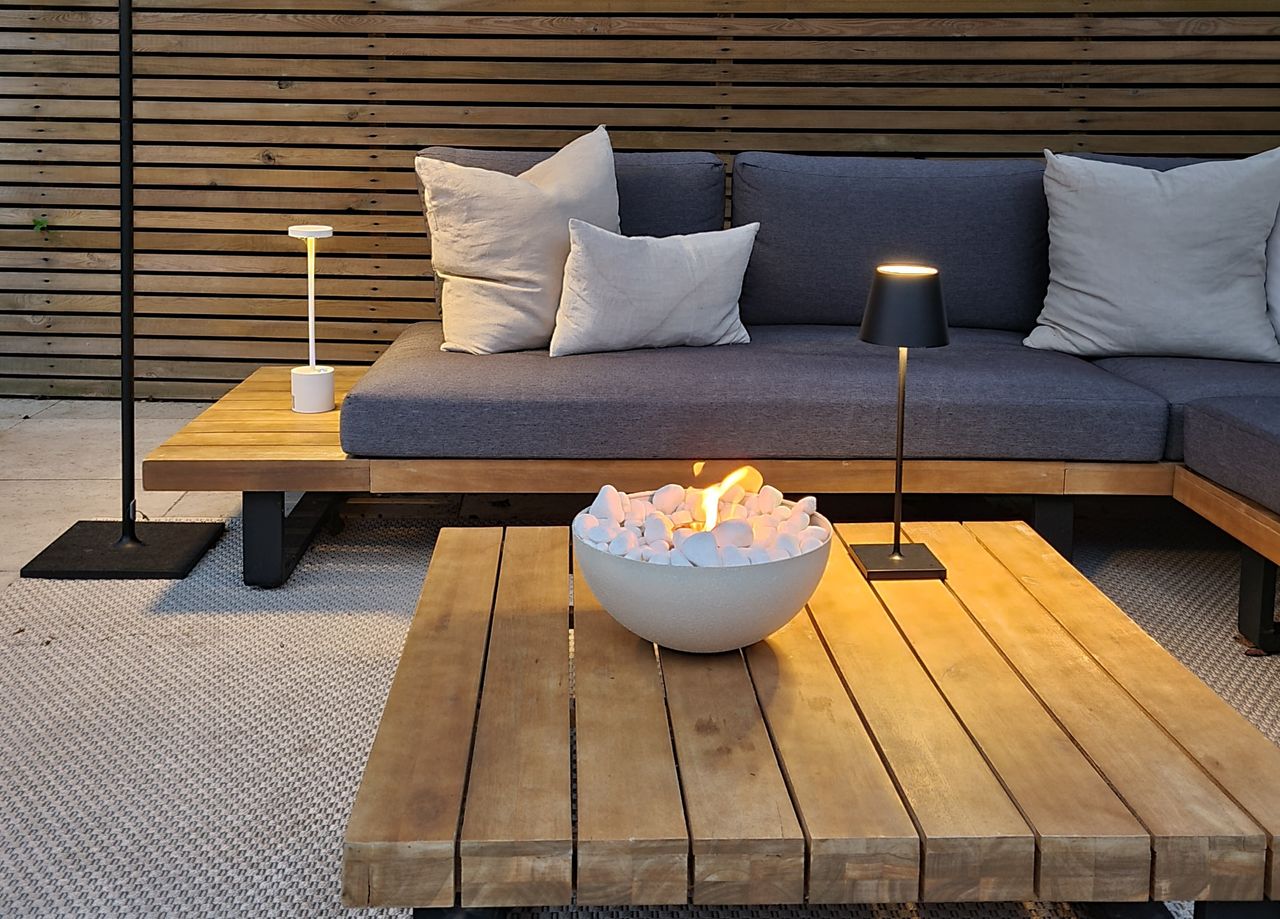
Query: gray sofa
{"x":805,"y":387}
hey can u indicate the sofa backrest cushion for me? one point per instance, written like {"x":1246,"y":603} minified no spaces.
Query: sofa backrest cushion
{"x":826,"y":222}
{"x":659,"y":194}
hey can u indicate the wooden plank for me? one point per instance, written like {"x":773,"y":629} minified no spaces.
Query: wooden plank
{"x":1090,"y":847}
{"x":400,"y":843}
{"x":1119,"y":478}
{"x":1246,"y":520}
{"x":633,"y":845}
{"x":976,"y":844}
{"x":516,"y":846}
{"x":870,"y":476}
{"x":746,"y":843}
{"x":863,"y":847}
{"x":1205,"y":847}
{"x":1221,"y":739}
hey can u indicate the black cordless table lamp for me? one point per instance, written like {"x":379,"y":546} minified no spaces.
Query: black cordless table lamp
{"x":904,"y":310}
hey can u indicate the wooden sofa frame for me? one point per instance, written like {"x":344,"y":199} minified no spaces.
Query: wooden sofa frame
{"x":250,"y":441}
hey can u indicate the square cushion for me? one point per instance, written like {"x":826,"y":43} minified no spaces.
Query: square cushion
{"x":794,"y":391}
{"x":499,"y":242}
{"x":1180,"y":380}
{"x":827,"y":221}
{"x":623,"y":292}
{"x":1235,"y":442}
{"x":1151,"y":262}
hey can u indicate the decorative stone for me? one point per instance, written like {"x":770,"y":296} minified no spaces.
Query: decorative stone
{"x":808,"y":504}
{"x":787,"y":543}
{"x":608,"y":505}
{"x":680,"y":560}
{"x":624,"y":542}
{"x":681,"y":518}
{"x":603,"y":532}
{"x":584,"y":522}
{"x":701,"y":549}
{"x":813,"y":532}
{"x":768,"y":499}
{"x":733,"y":557}
{"x":657,"y":526}
{"x":809,"y":543}
{"x":668,"y":499}
{"x":733,"y":533}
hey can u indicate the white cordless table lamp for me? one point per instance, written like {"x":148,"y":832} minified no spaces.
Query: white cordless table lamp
{"x":312,"y":385}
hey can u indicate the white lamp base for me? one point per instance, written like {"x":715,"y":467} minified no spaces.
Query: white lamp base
{"x":312,"y":389}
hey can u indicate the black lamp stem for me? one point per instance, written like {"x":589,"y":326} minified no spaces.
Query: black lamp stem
{"x":128,"y":488}
{"x":897,"y":470}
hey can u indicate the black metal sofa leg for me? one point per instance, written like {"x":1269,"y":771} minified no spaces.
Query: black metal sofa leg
{"x":1257,"y":617}
{"x":274,"y":541}
{"x":1054,"y":518}
{"x":1249,"y":909}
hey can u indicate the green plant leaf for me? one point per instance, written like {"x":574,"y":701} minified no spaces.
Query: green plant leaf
{"x":40,"y":224}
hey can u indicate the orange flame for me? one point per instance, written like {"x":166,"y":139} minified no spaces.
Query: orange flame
{"x":747,"y":476}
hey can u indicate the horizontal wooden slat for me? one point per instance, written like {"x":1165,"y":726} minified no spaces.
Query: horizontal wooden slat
{"x":256,"y":114}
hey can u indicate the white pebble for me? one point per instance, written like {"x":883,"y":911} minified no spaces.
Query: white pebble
{"x":582,"y":523}
{"x":809,"y":543}
{"x":679,"y":536}
{"x":763,"y":530}
{"x":781,"y":512}
{"x":636,"y":555}
{"x":624,"y":542}
{"x":732,"y":533}
{"x":668,"y":498}
{"x":735,"y":512}
{"x":768,"y":499}
{"x":759,"y":555}
{"x":788,"y":543}
{"x":680,"y":560}
{"x":752,"y":504}
{"x":776,"y":554}
{"x":813,"y":532}
{"x":659,"y":555}
{"x":733,"y":557}
{"x":807,"y":504}
{"x":657,"y":526}
{"x":795,"y":523}
{"x":603,"y":532}
{"x":700,"y":548}
{"x":733,"y":494}
{"x":634,"y":528}
{"x":681,"y":518}
{"x":608,"y":505}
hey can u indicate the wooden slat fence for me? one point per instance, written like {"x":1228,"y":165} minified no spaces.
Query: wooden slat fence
{"x":254,"y":114}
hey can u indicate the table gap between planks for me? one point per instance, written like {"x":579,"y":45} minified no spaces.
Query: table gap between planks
{"x":1006,"y":735}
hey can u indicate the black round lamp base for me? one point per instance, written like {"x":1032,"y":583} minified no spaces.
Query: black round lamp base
{"x":91,"y":549}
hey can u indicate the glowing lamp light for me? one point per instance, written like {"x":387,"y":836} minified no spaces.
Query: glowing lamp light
{"x":312,"y":385}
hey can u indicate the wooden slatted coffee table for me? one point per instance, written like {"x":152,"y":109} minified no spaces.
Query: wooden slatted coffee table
{"x":1007,"y":735}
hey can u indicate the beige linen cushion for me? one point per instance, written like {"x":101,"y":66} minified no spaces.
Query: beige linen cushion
{"x":499,"y":242}
{"x":623,"y":292}
{"x":1161,"y":263}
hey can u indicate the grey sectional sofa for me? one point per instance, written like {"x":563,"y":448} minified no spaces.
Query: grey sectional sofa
{"x":805,"y":387}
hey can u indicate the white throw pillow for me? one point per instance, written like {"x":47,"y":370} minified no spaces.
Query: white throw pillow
{"x":1161,"y":263}
{"x":499,"y":242}
{"x":623,"y":292}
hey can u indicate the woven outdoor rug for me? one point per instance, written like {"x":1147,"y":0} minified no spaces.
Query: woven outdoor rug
{"x":192,"y":748}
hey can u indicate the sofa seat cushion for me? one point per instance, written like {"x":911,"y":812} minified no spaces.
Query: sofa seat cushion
{"x":1180,"y":380}
{"x":794,"y":391}
{"x":1235,"y":441}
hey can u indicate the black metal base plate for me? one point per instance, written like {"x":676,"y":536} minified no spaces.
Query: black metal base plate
{"x":916,"y":563}
{"x":168,"y":550}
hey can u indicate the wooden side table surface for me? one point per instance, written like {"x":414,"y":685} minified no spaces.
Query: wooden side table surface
{"x":1006,"y":735}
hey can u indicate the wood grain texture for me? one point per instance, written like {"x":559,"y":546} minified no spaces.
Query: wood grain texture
{"x":863,"y":847}
{"x":1246,"y":520}
{"x":1222,"y":741}
{"x":633,"y":846}
{"x":1090,"y":846}
{"x":746,"y":842}
{"x":401,"y":840}
{"x":255,"y":114}
{"x":1205,"y":846}
{"x":976,"y":844}
{"x":516,"y":847}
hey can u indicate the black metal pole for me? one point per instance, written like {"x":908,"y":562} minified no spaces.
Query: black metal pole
{"x":897,"y":470}
{"x":128,"y":489}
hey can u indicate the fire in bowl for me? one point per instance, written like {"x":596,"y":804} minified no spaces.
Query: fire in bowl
{"x":702,"y":570}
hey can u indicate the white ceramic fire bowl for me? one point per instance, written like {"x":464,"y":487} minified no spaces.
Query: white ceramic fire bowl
{"x":703,"y":610}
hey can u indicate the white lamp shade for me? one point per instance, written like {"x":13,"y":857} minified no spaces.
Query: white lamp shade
{"x":310,"y":231}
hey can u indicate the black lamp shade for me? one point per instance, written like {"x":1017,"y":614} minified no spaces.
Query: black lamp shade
{"x":905,"y":309}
